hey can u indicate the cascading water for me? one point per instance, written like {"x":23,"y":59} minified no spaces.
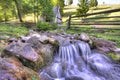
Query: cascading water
{"x":75,"y":61}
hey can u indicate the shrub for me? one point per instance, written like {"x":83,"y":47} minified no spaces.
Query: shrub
{"x":46,"y":26}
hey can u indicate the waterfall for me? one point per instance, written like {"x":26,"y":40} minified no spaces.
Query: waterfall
{"x":76,"y":61}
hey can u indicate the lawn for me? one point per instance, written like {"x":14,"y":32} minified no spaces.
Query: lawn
{"x":13,"y":31}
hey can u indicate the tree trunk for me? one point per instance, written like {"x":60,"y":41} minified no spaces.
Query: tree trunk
{"x":18,"y":10}
{"x":34,"y":12}
{"x":5,"y":16}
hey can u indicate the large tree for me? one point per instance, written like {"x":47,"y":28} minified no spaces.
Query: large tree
{"x":83,"y":7}
{"x":17,"y":3}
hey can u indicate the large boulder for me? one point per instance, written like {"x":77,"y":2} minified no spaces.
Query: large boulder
{"x":45,"y":50}
{"x":35,"y":43}
{"x":25,"y":53}
{"x":46,"y":38}
{"x":12,"y":69}
{"x":103,"y":46}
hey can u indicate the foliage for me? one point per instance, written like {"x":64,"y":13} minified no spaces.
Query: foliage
{"x":83,"y":7}
{"x":10,"y":8}
{"x":6,"y":6}
{"x":93,"y":3}
{"x":61,"y":4}
{"x":54,"y":2}
{"x":46,"y":26}
{"x":28,"y":6}
{"x":46,"y":9}
{"x":70,"y":2}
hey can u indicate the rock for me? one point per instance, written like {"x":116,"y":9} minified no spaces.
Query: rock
{"x":12,"y":69}
{"x":25,"y":53}
{"x":46,"y":51}
{"x":3,"y":44}
{"x":55,"y":70}
{"x":117,"y":50}
{"x":25,"y":38}
{"x":43,"y":38}
{"x":103,"y":46}
{"x":47,"y":39}
{"x":84,"y":37}
{"x":12,"y":40}
{"x":4,"y":37}
{"x":53,"y":41}
{"x":45,"y":76}
{"x":91,"y":44}
{"x":35,"y":43}
{"x":34,"y":34}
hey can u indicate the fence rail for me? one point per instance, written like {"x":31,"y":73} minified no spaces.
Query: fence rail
{"x":94,"y":20}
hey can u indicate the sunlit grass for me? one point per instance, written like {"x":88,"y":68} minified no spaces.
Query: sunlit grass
{"x":13,"y":31}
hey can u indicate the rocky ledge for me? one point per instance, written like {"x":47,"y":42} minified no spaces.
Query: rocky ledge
{"x":22,"y":58}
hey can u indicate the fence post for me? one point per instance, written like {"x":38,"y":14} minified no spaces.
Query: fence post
{"x":69,"y":22}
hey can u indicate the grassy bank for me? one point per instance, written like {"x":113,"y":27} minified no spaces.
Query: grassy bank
{"x":13,"y":31}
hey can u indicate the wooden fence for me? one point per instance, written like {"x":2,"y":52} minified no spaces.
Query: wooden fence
{"x":95,"y":20}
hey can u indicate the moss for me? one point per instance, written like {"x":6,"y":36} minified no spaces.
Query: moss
{"x":114,"y":56}
{"x":33,"y":77}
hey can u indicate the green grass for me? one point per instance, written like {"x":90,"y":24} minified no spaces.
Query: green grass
{"x":12,"y":31}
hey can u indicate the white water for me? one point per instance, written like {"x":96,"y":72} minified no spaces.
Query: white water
{"x":77,"y":62}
